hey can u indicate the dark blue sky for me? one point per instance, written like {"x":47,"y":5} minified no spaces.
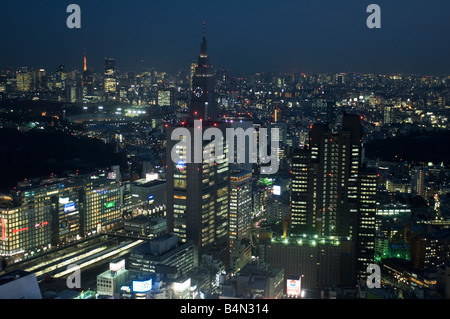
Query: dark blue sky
{"x":244,"y":36}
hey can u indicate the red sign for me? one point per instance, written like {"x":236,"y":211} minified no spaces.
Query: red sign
{"x":3,"y":229}
{"x":19,"y":230}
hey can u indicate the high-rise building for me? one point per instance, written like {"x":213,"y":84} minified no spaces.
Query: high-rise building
{"x":23,"y":80}
{"x":240,"y":206}
{"x":198,"y":188}
{"x":332,"y":195}
{"x":197,"y":192}
{"x":300,"y":190}
{"x":166,"y":98}
{"x":203,"y":103}
{"x":418,"y":176}
{"x":366,"y":221}
{"x":110,"y":82}
{"x":327,"y":206}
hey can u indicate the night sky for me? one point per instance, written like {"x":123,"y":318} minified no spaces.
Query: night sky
{"x":244,"y":36}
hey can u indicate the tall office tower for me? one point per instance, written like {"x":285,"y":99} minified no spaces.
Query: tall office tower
{"x":335,"y":163}
{"x":418,"y":175}
{"x":203,"y":103}
{"x":110,"y":76}
{"x":197,"y":191}
{"x":38,"y":80}
{"x":197,"y":186}
{"x":60,"y":77}
{"x":240,"y":206}
{"x":365,"y":235}
{"x":332,"y":195}
{"x":300,"y":191}
{"x":23,"y":80}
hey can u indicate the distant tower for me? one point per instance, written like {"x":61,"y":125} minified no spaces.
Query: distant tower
{"x":110,"y":77}
{"x":85,"y":64}
{"x":88,"y":78}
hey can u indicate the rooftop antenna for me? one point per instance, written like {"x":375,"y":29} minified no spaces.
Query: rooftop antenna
{"x":204,"y":29}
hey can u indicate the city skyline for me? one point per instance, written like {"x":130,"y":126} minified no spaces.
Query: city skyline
{"x":270,"y":37}
{"x":112,"y":186}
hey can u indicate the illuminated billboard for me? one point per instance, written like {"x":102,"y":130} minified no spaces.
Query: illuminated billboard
{"x":293,"y":288}
{"x":64,"y":200}
{"x":110,"y":205}
{"x":69,"y":207}
{"x":181,"y":165}
{"x":3,"y":229}
{"x":117,"y":265}
{"x":277,"y":190}
{"x":181,"y":286}
{"x":142,"y":286}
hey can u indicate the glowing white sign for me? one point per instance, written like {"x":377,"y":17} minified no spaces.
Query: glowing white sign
{"x":277,"y":190}
{"x":293,"y":288}
{"x":142,"y":286}
{"x":116,"y":266}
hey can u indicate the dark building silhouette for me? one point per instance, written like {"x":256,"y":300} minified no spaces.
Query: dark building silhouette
{"x":203,"y":103}
{"x":332,"y":195}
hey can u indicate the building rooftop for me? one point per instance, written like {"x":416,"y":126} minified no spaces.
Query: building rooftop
{"x":308,"y":240}
{"x":13,"y":275}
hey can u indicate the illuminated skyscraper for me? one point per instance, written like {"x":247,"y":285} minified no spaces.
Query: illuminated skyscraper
{"x":197,"y":188}
{"x":325,"y":180}
{"x":332,"y":195}
{"x":197,"y":193}
{"x":300,"y":189}
{"x":240,"y":206}
{"x":166,"y":98}
{"x":23,"y":80}
{"x":110,"y":76}
{"x":418,"y":176}
{"x":365,"y":234}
